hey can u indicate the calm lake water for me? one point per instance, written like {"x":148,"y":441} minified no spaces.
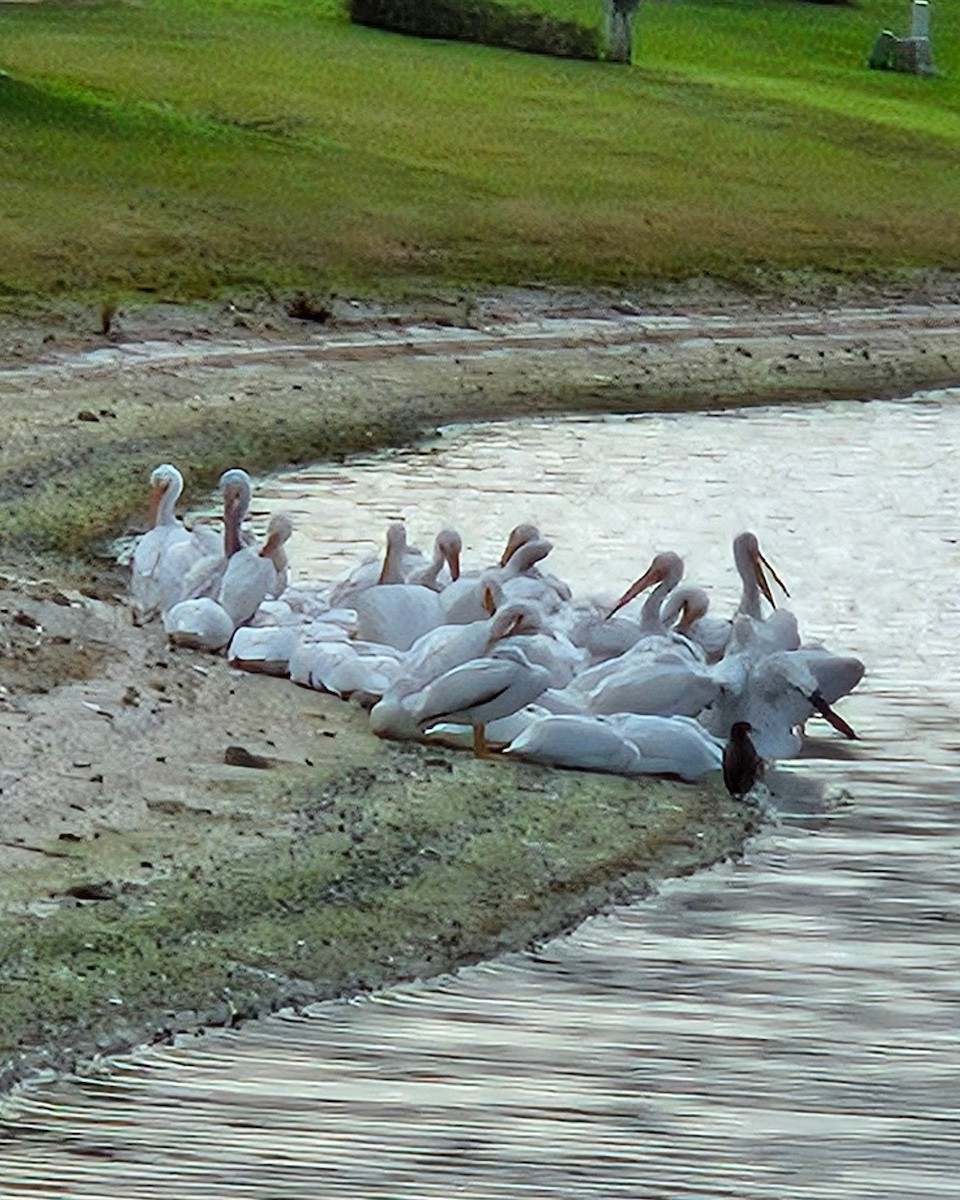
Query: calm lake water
{"x":787,"y":1026}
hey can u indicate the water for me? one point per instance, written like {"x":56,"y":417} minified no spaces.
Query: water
{"x":782,"y":1027}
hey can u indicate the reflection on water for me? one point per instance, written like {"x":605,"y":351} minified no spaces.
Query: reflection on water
{"x":782,"y":1027}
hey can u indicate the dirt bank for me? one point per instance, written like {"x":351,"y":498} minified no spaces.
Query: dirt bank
{"x":150,"y":886}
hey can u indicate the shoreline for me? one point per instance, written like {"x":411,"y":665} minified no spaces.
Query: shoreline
{"x":112,"y":745}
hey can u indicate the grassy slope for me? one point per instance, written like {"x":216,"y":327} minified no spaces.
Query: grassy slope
{"x":189,"y":145}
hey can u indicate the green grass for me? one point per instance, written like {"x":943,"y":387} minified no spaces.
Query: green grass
{"x":185,"y":147}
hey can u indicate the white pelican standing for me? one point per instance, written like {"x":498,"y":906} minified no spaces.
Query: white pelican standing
{"x":199,"y":575}
{"x":166,"y":531}
{"x":481,"y":690}
{"x":440,"y":651}
{"x":750,"y":563}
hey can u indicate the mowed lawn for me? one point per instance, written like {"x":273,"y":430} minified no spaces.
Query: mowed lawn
{"x":185,"y":147}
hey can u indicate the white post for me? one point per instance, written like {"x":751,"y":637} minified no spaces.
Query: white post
{"x":921,"y":19}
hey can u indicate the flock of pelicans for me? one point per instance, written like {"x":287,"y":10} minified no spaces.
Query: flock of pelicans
{"x":501,"y":658}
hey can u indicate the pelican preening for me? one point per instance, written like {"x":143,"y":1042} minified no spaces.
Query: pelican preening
{"x":501,"y":655}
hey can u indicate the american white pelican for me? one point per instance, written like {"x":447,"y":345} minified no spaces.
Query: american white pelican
{"x":836,"y":674}
{"x":652,"y":686}
{"x":603,"y":639}
{"x":670,"y":745}
{"x":447,"y":549}
{"x":662,"y":674}
{"x":166,"y":531}
{"x":481,"y":690}
{"x":520,"y":578}
{"x":251,"y":574}
{"x":577,"y":742}
{"x":473,"y":597}
{"x":200,"y":624}
{"x":195,"y":574}
{"x":440,"y":651}
{"x":519,"y":536}
{"x":350,"y":669}
{"x":399,"y":560}
{"x":690,"y":605}
{"x":776,"y":694}
{"x":666,"y":571}
{"x":750,"y":563}
{"x":397,"y":614}
{"x":266,"y":649}
{"x":499,"y":733}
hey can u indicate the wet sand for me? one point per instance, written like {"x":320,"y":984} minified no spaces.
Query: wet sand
{"x":112,"y":747}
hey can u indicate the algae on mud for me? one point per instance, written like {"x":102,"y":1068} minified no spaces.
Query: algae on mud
{"x":415,"y":864}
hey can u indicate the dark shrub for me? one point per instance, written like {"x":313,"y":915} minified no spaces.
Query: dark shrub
{"x":482,"y":21}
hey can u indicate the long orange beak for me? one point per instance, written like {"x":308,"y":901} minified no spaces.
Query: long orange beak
{"x":387,"y":563}
{"x":488,"y":601}
{"x":231,"y":522}
{"x":652,"y":575}
{"x":686,"y":619}
{"x":759,"y":563}
{"x":156,"y":495}
{"x":514,"y":542}
{"x":453,"y":562}
{"x":514,"y":627}
{"x":825,"y":711}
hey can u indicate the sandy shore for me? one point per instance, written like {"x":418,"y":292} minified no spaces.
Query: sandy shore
{"x":112,"y":747}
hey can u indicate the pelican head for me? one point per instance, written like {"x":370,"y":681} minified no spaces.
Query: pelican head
{"x":666,"y":567}
{"x":513,"y":619}
{"x":278,"y":532}
{"x":396,"y":545}
{"x":450,"y":545}
{"x":165,"y":481}
{"x":519,"y":537}
{"x":528,"y":555}
{"x":749,"y":560}
{"x":235,"y":487}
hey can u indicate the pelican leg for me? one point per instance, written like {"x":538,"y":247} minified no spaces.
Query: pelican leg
{"x":480,"y":747}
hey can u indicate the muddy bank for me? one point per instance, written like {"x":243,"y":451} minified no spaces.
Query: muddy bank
{"x":153,"y":886}
{"x":85,"y":422}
